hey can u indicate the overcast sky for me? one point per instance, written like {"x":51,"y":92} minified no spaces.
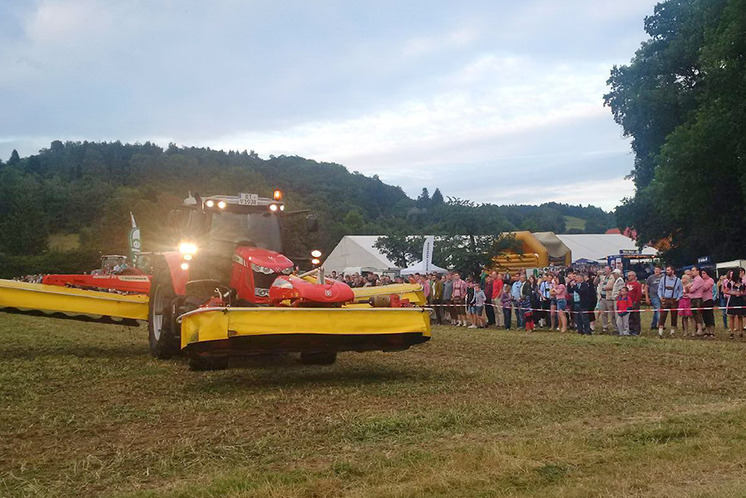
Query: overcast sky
{"x":494,"y":101}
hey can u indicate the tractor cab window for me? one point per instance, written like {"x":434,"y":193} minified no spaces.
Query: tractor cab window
{"x":260,"y":229}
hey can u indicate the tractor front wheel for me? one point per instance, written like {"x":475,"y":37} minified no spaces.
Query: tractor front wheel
{"x":164,"y":331}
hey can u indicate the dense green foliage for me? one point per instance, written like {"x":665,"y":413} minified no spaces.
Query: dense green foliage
{"x":89,"y":189}
{"x":682,"y":100}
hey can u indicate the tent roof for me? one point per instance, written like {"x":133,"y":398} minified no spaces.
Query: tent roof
{"x":419,"y":268}
{"x":598,"y":246}
{"x":358,"y":250}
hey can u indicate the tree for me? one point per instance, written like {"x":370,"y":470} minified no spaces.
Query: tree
{"x":682,"y":101}
{"x":437,"y":198}
{"x":423,"y":201}
{"x":14,"y":158}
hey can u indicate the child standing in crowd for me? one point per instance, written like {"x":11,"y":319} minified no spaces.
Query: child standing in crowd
{"x":476,"y":307}
{"x":623,"y":304}
{"x":528,"y":319}
{"x":685,"y":305}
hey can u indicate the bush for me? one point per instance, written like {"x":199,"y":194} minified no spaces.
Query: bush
{"x":74,"y":261}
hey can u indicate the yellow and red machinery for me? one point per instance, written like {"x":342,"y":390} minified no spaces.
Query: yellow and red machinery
{"x":230,"y":290}
{"x":113,"y":275}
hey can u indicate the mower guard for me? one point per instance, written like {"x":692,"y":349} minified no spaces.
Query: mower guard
{"x":275,"y":330}
{"x":52,"y":298}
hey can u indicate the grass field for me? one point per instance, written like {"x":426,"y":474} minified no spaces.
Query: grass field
{"x":573,"y":222}
{"x":86,"y":411}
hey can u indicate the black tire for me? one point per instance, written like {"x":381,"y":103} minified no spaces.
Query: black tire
{"x":318,"y":358}
{"x":164,"y":332}
{"x":203,"y":363}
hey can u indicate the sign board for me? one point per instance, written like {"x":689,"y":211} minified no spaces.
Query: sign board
{"x":703,"y":260}
{"x":629,"y":252}
{"x":248,"y":199}
{"x":427,"y":254}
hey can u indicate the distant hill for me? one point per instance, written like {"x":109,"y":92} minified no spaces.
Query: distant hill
{"x":85,"y":190}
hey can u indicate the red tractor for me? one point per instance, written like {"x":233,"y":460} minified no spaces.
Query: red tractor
{"x":230,"y":261}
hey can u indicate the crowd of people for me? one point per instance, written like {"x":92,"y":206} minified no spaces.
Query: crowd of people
{"x":602,"y":302}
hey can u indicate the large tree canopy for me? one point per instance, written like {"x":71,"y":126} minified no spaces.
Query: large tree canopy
{"x":682,"y":101}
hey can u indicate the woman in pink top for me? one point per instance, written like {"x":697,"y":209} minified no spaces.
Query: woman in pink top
{"x":708,"y":314}
{"x":696,"y":289}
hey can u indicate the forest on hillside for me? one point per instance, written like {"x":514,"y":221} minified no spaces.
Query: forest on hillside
{"x":84,"y":191}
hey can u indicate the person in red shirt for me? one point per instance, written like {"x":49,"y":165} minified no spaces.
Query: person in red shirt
{"x":497,"y":290}
{"x":634,"y":291}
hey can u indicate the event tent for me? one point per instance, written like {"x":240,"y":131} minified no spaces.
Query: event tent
{"x":597,"y":247}
{"x":358,"y":251}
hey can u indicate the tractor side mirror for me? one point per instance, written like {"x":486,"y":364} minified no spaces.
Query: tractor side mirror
{"x":312,"y":223}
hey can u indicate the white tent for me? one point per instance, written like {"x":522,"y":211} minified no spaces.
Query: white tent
{"x":597,"y":247}
{"x":358,"y":251}
{"x":420,"y":268}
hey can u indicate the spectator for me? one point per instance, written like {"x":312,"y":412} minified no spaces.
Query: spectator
{"x":685,"y":304}
{"x":582,"y":293}
{"x":616,"y":275}
{"x":506,"y":302}
{"x":497,"y":290}
{"x":651,"y":295}
{"x":489,"y":310}
{"x":623,"y":304}
{"x":708,"y":302}
{"x":515,"y":293}
{"x":477,"y":307}
{"x":560,"y":293}
{"x":447,"y":298}
{"x":696,"y":295}
{"x":534,"y":300}
{"x":545,"y":296}
{"x":634,"y":291}
{"x":736,"y":291}
{"x":469,"y":299}
{"x":437,"y":295}
{"x":606,"y":302}
{"x":723,"y":297}
{"x":458,"y":298}
{"x":670,"y":291}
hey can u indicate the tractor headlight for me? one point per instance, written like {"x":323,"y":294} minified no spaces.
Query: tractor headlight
{"x":222,"y":204}
{"x":273,"y":207}
{"x":261,"y":269}
{"x":188,"y":248}
{"x":210,"y":203}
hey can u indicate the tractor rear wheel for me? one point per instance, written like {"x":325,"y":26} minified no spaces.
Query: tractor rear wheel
{"x":164,"y":331}
{"x":324,"y":358}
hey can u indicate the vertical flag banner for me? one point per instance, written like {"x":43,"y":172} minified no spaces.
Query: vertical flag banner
{"x":427,"y":254}
{"x":135,"y":243}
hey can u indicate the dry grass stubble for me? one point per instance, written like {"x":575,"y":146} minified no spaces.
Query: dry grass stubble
{"x":87,"y":411}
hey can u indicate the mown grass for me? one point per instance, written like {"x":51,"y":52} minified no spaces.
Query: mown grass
{"x":86,"y":411}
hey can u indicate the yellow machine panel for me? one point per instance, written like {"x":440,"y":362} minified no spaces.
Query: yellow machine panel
{"x":52,"y":298}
